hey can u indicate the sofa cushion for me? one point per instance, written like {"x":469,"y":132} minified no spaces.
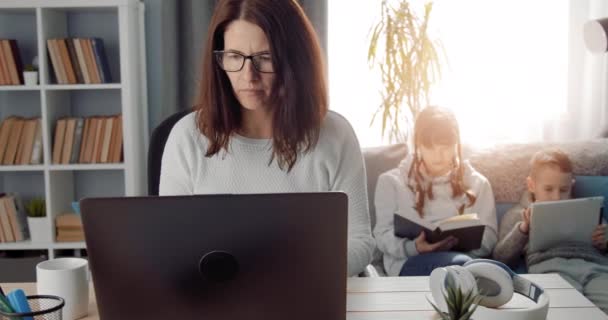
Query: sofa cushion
{"x":592,"y":186}
{"x":507,"y":166}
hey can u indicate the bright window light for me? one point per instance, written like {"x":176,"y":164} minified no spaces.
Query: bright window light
{"x":507,"y":72}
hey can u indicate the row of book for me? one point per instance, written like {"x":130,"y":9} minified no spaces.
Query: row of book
{"x":79,"y":60}
{"x":96,"y":139}
{"x":13,"y":222}
{"x":20,"y":141}
{"x":11,"y":67}
{"x":69,"y":228}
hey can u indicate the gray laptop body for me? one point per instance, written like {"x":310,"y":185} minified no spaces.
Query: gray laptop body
{"x":256,"y":256}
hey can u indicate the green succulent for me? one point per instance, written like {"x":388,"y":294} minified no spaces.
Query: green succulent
{"x":30,"y":67}
{"x":36,"y":208}
{"x":460,"y":305}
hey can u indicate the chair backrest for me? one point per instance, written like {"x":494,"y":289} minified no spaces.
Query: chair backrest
{"x":156,"y":148}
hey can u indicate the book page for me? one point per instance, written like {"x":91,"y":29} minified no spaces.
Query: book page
{"x":460,"y":221}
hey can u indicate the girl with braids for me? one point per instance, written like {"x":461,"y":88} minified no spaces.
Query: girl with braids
{"x":431,"y":183}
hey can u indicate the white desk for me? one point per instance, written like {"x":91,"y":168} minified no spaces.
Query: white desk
{"x":404,"y":298}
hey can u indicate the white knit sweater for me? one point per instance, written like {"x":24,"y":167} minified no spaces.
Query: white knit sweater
{"x":335,"y":164}
{"x":394,"y":196}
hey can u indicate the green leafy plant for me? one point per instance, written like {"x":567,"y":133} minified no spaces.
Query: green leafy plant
{"x":408,"y":60}
{"x":30,"y":67}
{"x":36,"y":208}
{"x":460,"y":305}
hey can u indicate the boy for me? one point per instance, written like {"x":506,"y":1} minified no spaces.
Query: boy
{"x":584,"y":267}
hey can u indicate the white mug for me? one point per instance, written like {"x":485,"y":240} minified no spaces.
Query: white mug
{"x":66,"y":278}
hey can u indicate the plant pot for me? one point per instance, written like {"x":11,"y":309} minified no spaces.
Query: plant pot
{"x":40,"y":230}
{"x":30,"y":78}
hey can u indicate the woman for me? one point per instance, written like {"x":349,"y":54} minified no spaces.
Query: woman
{"x":261,"y":124}
{"x":432,"y":183}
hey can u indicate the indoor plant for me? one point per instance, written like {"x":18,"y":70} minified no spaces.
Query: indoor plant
{"x":408,"y":60}
{"x":30,"y":75}
{"x":37,"y":221}
{"x":461,"y":305}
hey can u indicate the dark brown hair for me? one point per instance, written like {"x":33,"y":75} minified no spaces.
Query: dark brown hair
{"x":299,"y":93}
{"x":550,"y":157}
{"x":435,"y":125}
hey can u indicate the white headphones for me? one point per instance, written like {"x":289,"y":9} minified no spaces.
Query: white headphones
{"x":496,"y":282}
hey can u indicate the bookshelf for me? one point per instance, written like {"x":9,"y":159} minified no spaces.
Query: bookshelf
{"x":119,"y":23}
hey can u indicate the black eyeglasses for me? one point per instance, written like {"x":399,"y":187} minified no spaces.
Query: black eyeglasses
{"x":231,"y":61}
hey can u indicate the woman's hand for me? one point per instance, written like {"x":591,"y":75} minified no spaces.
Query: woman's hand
{"x":598,"y":237}
{"x":524,"y":226}
{"x":424,"y":247}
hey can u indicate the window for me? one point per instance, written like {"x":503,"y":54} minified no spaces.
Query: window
{"x":507,"y":72}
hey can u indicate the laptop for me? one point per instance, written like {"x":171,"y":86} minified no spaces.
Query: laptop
{"x":556,"y":222}
{"x":253,"y":256}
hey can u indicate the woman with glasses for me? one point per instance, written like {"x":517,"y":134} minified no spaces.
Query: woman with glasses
{"x":261,"y":123}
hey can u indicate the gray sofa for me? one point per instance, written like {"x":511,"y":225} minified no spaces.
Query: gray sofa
{"x":506,"y":167}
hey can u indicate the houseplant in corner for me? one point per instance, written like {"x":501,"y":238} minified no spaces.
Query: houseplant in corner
{"x":40,"y":230}
{"x":409,"y":63}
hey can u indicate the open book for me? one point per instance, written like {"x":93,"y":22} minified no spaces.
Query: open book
{"x":467,"y":228}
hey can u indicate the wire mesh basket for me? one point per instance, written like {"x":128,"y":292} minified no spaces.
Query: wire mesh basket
{"x":43,"y":308}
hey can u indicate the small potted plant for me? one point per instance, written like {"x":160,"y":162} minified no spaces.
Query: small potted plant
{"x":40,"y":231}
{"x":461,"y":305}
{"x":30,"y":75}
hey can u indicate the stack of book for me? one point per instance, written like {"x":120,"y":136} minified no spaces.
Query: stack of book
{"x":20,"y":141}
{"x":69,"y":228}
{"x":13,"y":222}
{"x":88,"y":140}
{"x":11,"y":68}
{"x":79,"y":60}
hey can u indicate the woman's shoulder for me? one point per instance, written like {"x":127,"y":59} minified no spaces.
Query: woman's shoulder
{"x":336,"y":128}
{"x":186,"y":128}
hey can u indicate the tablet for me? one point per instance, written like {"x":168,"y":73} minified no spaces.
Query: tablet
{"x":556,"y":222}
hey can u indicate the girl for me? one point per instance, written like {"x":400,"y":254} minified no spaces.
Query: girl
{"x":431,"y":183}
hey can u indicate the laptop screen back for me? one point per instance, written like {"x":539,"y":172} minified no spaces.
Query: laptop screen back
{"x":265,"y":256}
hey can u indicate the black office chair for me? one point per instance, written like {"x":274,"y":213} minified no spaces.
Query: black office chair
{"x":156,"y":148}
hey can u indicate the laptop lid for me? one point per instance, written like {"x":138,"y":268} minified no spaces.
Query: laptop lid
{"x":556,"y":222}
{"x":254,"y":256}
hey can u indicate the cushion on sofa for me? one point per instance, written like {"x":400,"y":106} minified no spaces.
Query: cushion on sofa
{"x":506,"y":166}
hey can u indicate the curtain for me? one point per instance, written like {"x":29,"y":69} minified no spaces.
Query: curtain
{"x":587,"y":112}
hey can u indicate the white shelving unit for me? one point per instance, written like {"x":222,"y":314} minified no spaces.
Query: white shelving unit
{"x":120,"y":24}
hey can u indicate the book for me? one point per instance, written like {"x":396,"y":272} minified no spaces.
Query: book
{"x":101,"y":59}
{"x":13,"y":61}
{"x":90,"y":60}
{"x":4,"y":75}
{"x":81,"y":61}
{"x":77,"y":140}
{"x":5,"y":131}
{"x":467,"y":228}
{"x":58,"y":141}
{"x":29,"y":135}
{"x":83,"y":142}
{"x":107,"y":138}
{"x":68,"y":142}
{"x":67,"y":62}
{"x":13,"y":141}
{"x":16,"y":218}
{"x":90,"y":140}
{"x":7,"y":229}
{"x":50,"y":44}
{"x":37,"y":148}
{"x":74,"y":59}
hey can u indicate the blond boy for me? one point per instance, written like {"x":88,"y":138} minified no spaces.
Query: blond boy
{"x":585,"y":267}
